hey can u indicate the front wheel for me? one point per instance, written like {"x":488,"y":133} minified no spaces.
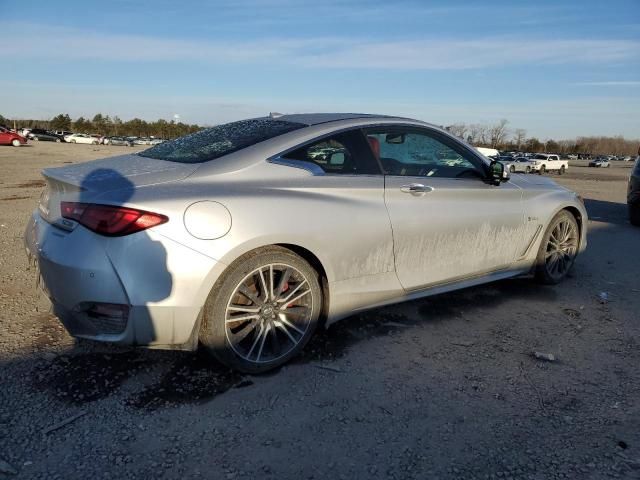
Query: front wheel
{"x":512,"y":169}
{"x":15,"y":142}
{"x":57,"y":140}
{"x":558,"y":249}
{"x":94,"y":143}
{"x":542,"y":170}
{"x":262,"y":311}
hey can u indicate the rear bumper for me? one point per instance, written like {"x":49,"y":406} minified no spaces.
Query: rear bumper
{"x":157,"y":280}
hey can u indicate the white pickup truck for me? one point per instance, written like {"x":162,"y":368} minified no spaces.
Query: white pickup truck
{"x":546,"y":162}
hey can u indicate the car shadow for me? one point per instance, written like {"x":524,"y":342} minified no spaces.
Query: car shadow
{"x":605,"y":211}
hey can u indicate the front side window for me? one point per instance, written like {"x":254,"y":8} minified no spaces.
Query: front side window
{"x":418,"y":154}
{"x":343,"y":153}
{"x":212,"y":143}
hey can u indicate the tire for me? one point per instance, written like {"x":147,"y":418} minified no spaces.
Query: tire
{"x":37,"y":139}
{"x":240,"y":344}
{"x":542,"y":170}
{"x":512,"y":169}
{"x":528,"y":170}
{"x":634,"y":215}
{"x":94,"y":143}
{"x":15,"y":142}
{"x":57,"y":140}
{"x":562,"y":170}
{"x":73,"y":141}
{"x":558,"y":249}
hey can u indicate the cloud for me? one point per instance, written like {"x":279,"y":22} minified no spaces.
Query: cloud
{"x":610,"y":83}
{"x":324,"y":52}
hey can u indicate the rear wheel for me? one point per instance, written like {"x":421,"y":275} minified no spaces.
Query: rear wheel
{"x":262,"y":311}
{"x":57,"y":140}
{"x":634,"y":215}
{"x":528,"y":170}
{"x":94,"y":143}
{"x":562,"y":170}
{"x":512,"y":169}
{"x":558,"y":249}
{"x":73,"y":141}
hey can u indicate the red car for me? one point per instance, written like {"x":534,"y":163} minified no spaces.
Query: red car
{"x":7,"y":137}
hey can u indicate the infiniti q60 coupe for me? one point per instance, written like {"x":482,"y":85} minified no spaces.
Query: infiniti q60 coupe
{"x":244,"y":237}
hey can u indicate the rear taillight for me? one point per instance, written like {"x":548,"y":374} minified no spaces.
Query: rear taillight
{"x":110,"y":220}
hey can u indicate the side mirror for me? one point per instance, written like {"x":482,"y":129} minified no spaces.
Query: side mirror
{"x":498,"y":173}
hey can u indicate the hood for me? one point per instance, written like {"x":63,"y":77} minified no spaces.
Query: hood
{"x":125,"y":171}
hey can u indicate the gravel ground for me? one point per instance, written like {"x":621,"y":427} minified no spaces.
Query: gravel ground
{"x":445,"y":387}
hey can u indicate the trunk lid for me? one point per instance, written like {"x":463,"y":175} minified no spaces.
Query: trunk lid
{"x":84,"y":182}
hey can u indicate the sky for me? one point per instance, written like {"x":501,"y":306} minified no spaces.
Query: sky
{"x":558,"y":69}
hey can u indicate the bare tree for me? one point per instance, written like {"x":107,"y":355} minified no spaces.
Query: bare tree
{"x":520,"y":134}
{"x":498,"y":133}
{"x":458,"y":129}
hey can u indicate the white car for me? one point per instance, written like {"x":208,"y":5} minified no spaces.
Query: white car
{"x":545,"y":162}
{"x":522,"y":164}
{"x":81,"y":138}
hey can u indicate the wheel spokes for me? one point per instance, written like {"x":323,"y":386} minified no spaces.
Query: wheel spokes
{"x":269,"y":313}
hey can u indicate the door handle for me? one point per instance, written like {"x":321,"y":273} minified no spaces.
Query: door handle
{"x":416,"y":189}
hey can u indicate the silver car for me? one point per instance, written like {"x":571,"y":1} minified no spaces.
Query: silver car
{"x":242,"y":238}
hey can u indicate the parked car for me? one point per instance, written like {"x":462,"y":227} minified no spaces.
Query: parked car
{"x":142,"y":141}
{"x":62,"y":133}
{"x":38,"y":135}
{"x":81,"y":138}
{"x":381,"y":220}
{"x":600,"y":162}
{"x":99,"y":138}
{"x":545,"y":162}
{"x":118,"y":141}
{"x":7,"y":137}
{"x":633,"y":193}
{"x":156,"y":141}
{"x":522,"y":164}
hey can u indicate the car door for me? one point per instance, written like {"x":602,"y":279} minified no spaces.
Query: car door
{"x":448,"y":223}
{"x":345,"y":191}
{"x":5,"y":137}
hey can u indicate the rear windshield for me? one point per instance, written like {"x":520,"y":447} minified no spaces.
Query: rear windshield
{"x":215,"y":142}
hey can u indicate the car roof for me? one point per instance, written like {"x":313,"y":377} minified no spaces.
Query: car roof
{"x":318,"y":118}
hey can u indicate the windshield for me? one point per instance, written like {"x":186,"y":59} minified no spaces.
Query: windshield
{"x":540,"y":157}
{"x":215,"y":142}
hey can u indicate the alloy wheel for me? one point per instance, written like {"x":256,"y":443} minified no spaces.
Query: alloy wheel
{"x":269,"y":313}
{"x":561,"y":249}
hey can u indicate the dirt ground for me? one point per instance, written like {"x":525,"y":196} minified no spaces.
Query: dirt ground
{"x":444,"y":387}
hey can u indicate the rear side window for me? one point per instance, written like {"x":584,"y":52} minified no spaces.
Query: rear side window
{"x":343,"y":153}
{"x":215,"y":142}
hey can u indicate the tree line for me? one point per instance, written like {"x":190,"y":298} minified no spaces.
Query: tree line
{"x":497,"y":135}
{"x":108,"y":126}
{"x":501,"y":137}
